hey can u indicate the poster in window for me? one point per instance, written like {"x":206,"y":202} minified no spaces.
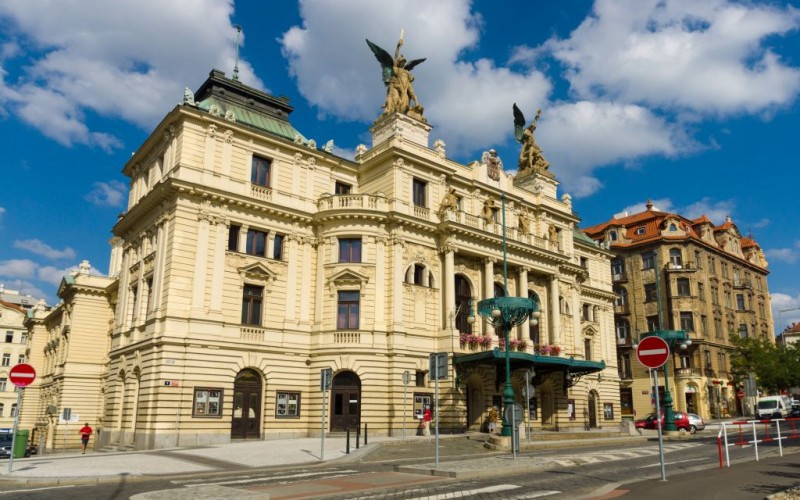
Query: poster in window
{"x":533,"y":409}
{"x":287,"y":404}
{"x":207,"y":402}
{"x":608,"y":411}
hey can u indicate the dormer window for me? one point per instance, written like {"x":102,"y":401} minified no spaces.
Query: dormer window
{"x":612,"y":235}
{"x":673,"y":227}
{"x":640,"y":230}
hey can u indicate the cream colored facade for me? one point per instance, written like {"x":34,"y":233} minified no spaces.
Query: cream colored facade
{"x":709,"y":281}
{"x":249,"y":260}
{"x":68,"y":347}
{"x":12,"y":352}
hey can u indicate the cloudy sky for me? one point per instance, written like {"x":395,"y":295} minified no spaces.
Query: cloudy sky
{"x":691,"y":104}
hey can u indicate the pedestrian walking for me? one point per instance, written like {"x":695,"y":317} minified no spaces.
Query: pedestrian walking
{"x":86,"y":433}
{"x":426,"y":419}
{"x":491,"y":420}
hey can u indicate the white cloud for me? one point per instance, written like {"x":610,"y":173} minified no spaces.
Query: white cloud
{"x":608,"y":133}
{"x":18,"y":268}
{"x":790,"y":255}
{"x":703,"y":56}
{"x":785,"y":310}
{"x":27,"y":288}
{"x":109,"y":194}
{"x":717,"y":211}
{"x":126,"y":59}
{"x":40,"y":248}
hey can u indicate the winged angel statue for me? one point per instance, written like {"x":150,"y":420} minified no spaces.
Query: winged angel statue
{"x":530,"y":157}
{"x":399,"y":81}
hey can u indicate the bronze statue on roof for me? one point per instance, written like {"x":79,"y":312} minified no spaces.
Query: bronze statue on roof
{"x":530,"y":157}
{"x":398,"y":79}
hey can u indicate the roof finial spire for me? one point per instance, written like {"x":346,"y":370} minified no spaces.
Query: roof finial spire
{"x":649,"y":204}
{"x":236,"y":64}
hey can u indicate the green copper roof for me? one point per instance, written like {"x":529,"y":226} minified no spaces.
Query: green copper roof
{"x":542,"y":364}
{"x":580,"y":235}
{"x":254,"y":119}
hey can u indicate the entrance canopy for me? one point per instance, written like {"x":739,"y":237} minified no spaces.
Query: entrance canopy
{"x":523,"y":360}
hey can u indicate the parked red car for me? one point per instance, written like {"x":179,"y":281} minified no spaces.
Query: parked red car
{"x":649,"y":422}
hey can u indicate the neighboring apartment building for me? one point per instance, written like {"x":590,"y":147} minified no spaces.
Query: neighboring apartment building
{"x":249,"y":260}
{"x":710,"y":281}
{"x":13,"y":349}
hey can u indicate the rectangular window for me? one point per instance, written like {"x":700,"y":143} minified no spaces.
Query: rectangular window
{"x":704,"y":324}
{"x":419,"y":378}
{"x":260,"y":173}
{"x":24,"y":338}
{"x":617,"y":268}
{"x":687,"y":321}
{"x":207,"y":402}
{"x":715,"y":295}
{"x":9,"y":336}
{"x":6,"y":359}
{"x":277,"y":247}
{"x":740,"y":305}
{"x":648,"y":261}
{"x":625,"y":366}
{"x":149,"y":303}
{"x":347,"y":310}
{"x":727,"y":296}
{"x":256,"y":243}
{"x":287,"y":405}
{"x":419,"y":270}
{"x":13,"y":410}
{"x":698,"y":259}
{"x":342,"y":188}
{"x":652,"y":323}
{"x":233,"y":237}
{"x":21,"y":359}
{"x":743,"y":330}
{"x":608,"y":411}
{"x":684,"y":289}
{"x":686,"y":361}
{"x":349,"y":249}
{"x":3,"y":382}
{"x":718,"y":328}
{"x":252,"y":299}
{"x":650,"y":294}
{"x":701,"y":291}
{"x":419,"y":188}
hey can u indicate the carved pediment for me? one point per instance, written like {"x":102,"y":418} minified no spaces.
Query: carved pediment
{"x":257,"y":272}
{"x":348,"y":276}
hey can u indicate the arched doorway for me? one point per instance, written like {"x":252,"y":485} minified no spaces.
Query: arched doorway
{"x":475,"y":403}
{"x":346,"y":401}
{"x":592,"y":409}
{"x":246,"y":418}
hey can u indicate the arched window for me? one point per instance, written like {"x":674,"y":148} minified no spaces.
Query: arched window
{"x":499,"y":291}
{"x":419,"y":274}
{"x":534,"y":329}
{"x":463,"y":296}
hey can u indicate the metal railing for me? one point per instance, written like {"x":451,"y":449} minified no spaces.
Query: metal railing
{"x":747,"y":433}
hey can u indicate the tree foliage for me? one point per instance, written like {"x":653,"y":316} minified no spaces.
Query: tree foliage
{"x":776,"y":367}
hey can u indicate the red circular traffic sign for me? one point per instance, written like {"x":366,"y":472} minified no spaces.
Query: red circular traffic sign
{"x":22,"y":375}
{"x":652,"y":352}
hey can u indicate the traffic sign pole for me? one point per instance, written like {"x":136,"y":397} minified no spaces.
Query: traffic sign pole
{"x":21,"y":375}
{"x":658,"y":420}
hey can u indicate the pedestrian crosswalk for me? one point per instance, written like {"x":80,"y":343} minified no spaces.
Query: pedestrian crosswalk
{"x":605,"y":456}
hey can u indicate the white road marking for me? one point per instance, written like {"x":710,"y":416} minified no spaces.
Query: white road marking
{"x":36,"y":489}
{"x":671,"y":463}
{"x":254,"y":479}
{"x":466,"y":493}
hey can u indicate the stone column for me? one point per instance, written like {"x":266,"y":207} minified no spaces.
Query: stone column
{"x":398,"y":273}
{"x":218,"y":266}
{"x":380,"y":282}
{"x":522,"y":291}
{"x":305,"y":284}
{"x":290,"y":318}
{"x":577,"y":312}
{"x":488,"y":287}
{"x":449,"y":283}
{"x":555,"y":312}
{"x":242,"y":243}
{"x":161,"y":259}
{"x":200,"y":263}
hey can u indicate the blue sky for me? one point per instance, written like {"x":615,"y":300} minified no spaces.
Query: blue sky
{"x":691,"y":104}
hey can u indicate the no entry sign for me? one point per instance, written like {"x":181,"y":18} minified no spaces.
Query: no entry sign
{"x":652,"y":352}
{"x":22,"y":375}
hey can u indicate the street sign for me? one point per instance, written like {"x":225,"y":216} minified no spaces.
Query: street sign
{"x":514,"y":413}
{"x":406,"y":377}
{"x":438,"y":365}
{"x":652,"y":352}
{"x":325,"y":378}
{"x":22,"y":375}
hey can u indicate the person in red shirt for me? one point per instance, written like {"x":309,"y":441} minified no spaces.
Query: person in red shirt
{"x":426,"y":420}
{"x":86,"y":433}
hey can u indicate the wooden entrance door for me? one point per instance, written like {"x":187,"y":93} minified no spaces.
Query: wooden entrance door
{"x":592,"y":410}
{"x":246,"y":419}
{"x":345,"y":402}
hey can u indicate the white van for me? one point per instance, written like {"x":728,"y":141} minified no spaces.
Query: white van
{"x":774,"y":407}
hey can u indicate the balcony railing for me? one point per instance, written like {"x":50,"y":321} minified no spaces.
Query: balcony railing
{"x":687,"y":372}
{"x":740,"y":283}
{"x":621,"y":309}
{"x":619,"y":277}
{"x":683,"y":266}
{"x":251,"y":334}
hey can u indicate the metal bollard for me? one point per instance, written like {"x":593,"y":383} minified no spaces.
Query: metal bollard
{"x":365,"y":434}
{"x":358,"y":436}
{"x":347,"y":447}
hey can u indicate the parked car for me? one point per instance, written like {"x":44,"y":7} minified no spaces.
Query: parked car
{"x":649,"y":422}
{"x":696,"y":423}
{"x":5,"y":444}
{"x":795,"y":412}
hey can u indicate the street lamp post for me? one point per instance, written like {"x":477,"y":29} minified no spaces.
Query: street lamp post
{"x":505,"y":313}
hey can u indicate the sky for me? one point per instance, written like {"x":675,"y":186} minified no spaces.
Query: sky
{"x":693,"y":105}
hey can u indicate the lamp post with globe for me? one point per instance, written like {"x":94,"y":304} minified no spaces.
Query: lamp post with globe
{"x":504,"y":313}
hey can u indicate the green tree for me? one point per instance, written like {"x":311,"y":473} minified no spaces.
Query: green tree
{"x":776,"y":367}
